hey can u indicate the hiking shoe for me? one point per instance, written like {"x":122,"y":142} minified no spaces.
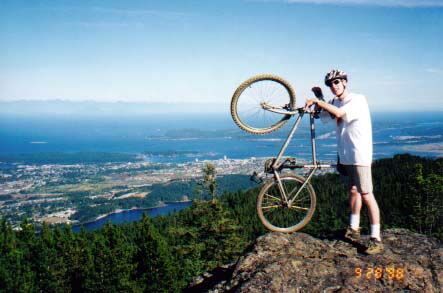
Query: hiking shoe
{"x":351,"y":234}
{"x":374,"y":246}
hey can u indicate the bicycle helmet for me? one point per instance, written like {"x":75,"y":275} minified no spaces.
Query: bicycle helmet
{"x":335,"y":74}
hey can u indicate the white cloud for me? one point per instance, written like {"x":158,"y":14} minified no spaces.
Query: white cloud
{"x":385,"y":3}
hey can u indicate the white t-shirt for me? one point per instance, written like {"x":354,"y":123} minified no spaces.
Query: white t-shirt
{"x":354,"y":130}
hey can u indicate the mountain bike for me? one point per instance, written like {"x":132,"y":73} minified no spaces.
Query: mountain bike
{"x":261,"y":105}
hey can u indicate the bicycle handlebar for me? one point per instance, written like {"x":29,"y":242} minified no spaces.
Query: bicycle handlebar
{"x":286,"y":109}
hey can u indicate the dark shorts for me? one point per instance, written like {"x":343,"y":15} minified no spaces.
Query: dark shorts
{"x":360,"y":177}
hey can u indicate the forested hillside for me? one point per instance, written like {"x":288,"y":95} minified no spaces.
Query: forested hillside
{"x":165,"y":253}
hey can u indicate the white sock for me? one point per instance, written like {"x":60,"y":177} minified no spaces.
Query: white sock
{"x":375,"y":231}
{"x":355,"y":221}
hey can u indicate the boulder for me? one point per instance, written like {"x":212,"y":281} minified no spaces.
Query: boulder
{"x":298,"y":262}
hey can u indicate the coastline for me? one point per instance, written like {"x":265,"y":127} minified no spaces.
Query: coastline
{"x":177,"y":201}
{"x":117,"y":211}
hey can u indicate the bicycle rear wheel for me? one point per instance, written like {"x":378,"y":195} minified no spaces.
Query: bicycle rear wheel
{"x":278,"y":216}
{"x":246,"y":103}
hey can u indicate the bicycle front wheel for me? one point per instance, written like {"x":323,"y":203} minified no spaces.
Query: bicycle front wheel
{"x":274,"y":211}
{"x":249,"y":98}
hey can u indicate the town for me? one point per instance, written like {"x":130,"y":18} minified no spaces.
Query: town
{"x":54,"y":193}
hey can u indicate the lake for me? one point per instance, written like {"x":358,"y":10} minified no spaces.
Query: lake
{"x":133,"y":215}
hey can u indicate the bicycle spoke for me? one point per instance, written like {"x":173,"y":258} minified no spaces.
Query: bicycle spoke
{"x":248,"y":106}
{"x":254,"y":114}
{"x":271,"y":117}
{"x":286,"y":218}
{"x":257,"y":98}
{"x":285,"y":190}
{"x":300,"y":208}
{"x":299,"y":194}
{"x":292,"y":191}
{"x":270,"y":207}
{"x":276,"y":198}
{"x":273,"y":92}
{"x":263,"y":115}
{"x":249,"y":109}
{"x":301,"y":199}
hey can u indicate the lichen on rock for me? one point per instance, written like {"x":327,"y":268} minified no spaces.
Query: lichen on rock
{"x":299,"y":262}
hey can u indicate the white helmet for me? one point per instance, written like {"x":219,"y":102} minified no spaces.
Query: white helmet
{"x":335,"y":74}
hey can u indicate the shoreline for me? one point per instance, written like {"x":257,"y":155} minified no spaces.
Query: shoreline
{"x":118,"y":211}
{"x":177,"y":201}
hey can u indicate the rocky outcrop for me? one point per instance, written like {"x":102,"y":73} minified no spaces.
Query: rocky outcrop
{"x":301,"y":263}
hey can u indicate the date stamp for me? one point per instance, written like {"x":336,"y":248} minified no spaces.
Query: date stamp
{"x":377,"y":272}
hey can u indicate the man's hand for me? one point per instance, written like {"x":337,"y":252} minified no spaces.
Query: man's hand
{"x":310,"y":102}
{"x":317,"y":109}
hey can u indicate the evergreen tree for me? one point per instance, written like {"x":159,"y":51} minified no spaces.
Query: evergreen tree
{"x":77,"y":253}
{"x":16,"y":274}
{"x":112,"y":262}
{"x":155,"y":269}
{"x":121,"y":252}
{"x":209,"y":179}
{"x":165,"y":253}
{"x":208,"y":236}
{"x":426,"y":198}
{"x":48,"y":263}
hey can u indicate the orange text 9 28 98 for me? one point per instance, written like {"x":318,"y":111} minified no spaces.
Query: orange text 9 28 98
{"x":392,"y":273}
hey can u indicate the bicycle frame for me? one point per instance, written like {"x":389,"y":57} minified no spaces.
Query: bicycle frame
{"x":278,"y":165}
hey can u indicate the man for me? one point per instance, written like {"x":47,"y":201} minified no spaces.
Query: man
{"x":354,"y":142}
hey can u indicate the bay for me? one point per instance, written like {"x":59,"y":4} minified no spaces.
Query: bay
{"x":132,"y":215}
{"x":188,"y":138}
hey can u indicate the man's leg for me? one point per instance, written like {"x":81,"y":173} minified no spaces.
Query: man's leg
{"x":363,"y":181}
{"x":355,"y":204}
{"x":375,"y":245}
{"x":374,"y":214}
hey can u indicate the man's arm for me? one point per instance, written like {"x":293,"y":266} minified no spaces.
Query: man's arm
{"x":337,"y":112}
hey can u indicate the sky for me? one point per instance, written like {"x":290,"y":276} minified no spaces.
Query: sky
{"x":200,"y":51}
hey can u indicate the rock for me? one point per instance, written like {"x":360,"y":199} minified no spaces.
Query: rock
{"x":299,"y":262}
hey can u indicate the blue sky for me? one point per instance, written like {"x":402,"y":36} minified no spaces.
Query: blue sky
{"x":199,"y":51}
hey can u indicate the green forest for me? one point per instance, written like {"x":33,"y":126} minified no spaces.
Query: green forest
{"x":164,"y":254}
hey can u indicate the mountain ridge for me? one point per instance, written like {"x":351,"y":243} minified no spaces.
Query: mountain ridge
{"x":91,"y":107}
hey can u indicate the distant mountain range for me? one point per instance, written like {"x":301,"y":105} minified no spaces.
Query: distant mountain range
{"x":89,"y":107}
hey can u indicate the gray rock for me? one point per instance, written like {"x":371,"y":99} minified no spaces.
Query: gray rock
{"x":298,"y":262}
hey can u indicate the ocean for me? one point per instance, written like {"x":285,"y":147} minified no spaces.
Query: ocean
{"x":184,"y":138}
{"x":187,"y":138}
